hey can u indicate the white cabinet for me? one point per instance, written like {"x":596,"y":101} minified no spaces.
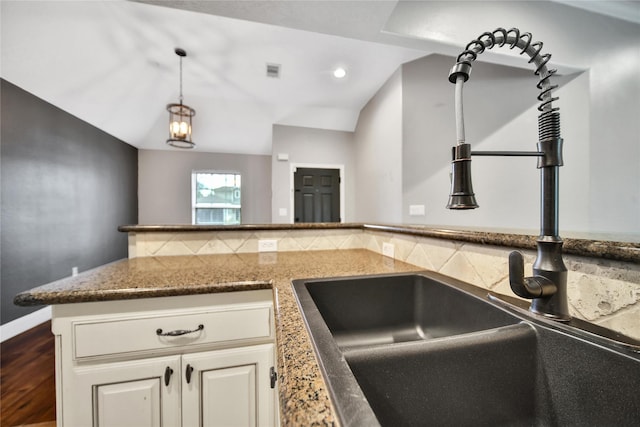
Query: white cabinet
{"x":202,"y":360}
{"x":123,"y":394}
{"x":228,"y":387}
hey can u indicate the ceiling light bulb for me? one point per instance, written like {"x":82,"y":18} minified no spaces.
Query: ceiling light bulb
{"x":339,"y":73}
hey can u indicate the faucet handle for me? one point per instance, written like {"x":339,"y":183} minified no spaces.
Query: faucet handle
{"x":527,"y":287}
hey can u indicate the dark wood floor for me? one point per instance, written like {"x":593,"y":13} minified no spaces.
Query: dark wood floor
{"x":27,"y":378}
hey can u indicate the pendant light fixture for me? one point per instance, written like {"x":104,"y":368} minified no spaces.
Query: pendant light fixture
{"x":180,"y":117}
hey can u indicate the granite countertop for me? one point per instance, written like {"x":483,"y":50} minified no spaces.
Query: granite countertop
{"x":304,"y":399}
{"x":608,"y":246}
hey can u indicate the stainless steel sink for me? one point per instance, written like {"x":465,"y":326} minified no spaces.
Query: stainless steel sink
{"x":426,"y":349}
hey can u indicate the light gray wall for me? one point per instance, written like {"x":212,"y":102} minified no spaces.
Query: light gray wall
{"x":614,"y":127}
{"x":500,"y":108}
{"x":313,"y":148}
{"x":164,"y":184}
{"x":600,"y":182}
{"x":378,"y":139}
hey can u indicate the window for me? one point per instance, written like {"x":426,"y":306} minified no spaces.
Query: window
{"x":215,"y":198}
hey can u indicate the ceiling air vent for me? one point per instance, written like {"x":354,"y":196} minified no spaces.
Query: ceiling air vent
{"x":273,"y":70}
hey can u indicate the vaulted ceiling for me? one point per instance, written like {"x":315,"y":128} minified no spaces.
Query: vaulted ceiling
{"x":112,"y":63}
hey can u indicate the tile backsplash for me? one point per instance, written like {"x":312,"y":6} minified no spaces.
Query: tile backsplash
{"x":601,"y":291}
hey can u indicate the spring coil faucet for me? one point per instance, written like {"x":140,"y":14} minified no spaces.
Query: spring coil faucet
{"x":548,"y":286}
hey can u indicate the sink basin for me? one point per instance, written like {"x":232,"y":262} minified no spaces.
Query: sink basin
{"x":382,"y":310}
{"x":426,"y":349}
{"x":484,"y":378}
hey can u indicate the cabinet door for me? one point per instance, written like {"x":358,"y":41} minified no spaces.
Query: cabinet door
{"x":142,"y":393}
{"x":228,"y":388}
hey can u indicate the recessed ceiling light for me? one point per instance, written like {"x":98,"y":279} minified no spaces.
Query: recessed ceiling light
{"x":339,"y":73}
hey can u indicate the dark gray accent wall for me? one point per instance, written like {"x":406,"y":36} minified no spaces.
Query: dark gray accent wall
{"x":66,"y":187}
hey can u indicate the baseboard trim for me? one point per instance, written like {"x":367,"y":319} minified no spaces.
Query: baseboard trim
{"x":24,"y":323}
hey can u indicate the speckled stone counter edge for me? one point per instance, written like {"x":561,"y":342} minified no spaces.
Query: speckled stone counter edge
{"x":304,"y":398}
{"x":607,"y":249}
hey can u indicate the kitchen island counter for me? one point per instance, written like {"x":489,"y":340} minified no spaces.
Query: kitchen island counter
{"x":304,"y":399}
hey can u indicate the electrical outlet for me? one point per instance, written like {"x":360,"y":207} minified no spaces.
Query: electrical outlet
{"x":268,"y":245}
{"x":416,"y":210}
{"x":388,"y":249}
{"x":74,"y":271}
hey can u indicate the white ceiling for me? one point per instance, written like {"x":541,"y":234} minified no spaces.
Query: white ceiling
{"x":112,"y":63}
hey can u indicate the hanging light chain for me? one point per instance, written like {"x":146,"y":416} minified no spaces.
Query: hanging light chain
{"x":180,"y":78}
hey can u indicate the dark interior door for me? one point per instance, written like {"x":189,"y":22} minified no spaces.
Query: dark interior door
{"x":317,"y":195}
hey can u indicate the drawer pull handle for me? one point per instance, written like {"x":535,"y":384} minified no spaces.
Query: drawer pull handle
{"x":178,"y":332}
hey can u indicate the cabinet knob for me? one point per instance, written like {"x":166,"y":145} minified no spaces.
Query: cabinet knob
{"x":188,"y":373}
{"x":273,"y":377}
{"x":167,"y":375}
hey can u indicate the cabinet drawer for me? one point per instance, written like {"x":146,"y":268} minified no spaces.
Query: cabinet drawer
{"x":126,"y":335}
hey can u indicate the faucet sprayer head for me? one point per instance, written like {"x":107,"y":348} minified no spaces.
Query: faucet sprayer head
{"x":461,"y":196}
